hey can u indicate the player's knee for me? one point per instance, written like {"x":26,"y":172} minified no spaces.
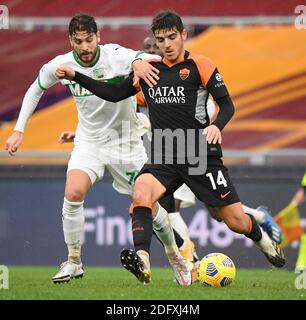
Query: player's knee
{"x":75,"y":195}
{"x":139,"y":196}
{"x":141,"y":193}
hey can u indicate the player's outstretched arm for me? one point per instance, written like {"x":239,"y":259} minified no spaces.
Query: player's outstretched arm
{"x":107,"y":91}
{"x":29,"y":104}
{"x":45,"y":79}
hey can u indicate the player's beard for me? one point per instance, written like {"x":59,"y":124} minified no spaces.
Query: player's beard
{"x":88,"y":57}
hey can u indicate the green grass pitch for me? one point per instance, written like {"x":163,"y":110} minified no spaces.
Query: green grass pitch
{"x":118,"y":284}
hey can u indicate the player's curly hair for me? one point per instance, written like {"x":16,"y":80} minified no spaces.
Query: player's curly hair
{"x":167,"y":20}
{"x":82,"y":22}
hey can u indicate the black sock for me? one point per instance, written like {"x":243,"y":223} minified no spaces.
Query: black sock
{"x":255,"y":233}
{"x":142,"y":228}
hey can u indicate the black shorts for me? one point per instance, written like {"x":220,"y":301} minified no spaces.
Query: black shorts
{"x":168,"y":203}
{"x":214,"y":187}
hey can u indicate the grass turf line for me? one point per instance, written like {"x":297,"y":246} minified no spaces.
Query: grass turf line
{"x":118,"y":284}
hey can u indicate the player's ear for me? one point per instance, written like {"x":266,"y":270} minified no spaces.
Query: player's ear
{"x":184,"y":34}
{"x":98,"y":36}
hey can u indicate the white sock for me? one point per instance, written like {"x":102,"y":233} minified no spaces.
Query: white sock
{"x":179,"y":225}
{"x":164,"y":231}
{"x":258,"y":215}
{"x":73,"y":226}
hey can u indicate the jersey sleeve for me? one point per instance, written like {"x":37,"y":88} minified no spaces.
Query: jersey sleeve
{"x":147,"y":56}
{"x":210,"y":77}
{"x":29,"y":104}
{"x":216,"y":86}
{"x":46,"y":77}
{"x":122,"y":58}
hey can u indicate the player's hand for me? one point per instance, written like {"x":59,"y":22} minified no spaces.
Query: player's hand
{"x":13,"y":142}
{"x":65,"y":72}
{"x":213,"y":134}
{"x":66,"y":136}
{"x":145,"y":71}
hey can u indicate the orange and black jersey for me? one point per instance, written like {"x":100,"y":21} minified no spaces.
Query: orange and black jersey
{"x":178,"y":100}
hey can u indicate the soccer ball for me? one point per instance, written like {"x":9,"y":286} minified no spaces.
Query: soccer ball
{"x":216,"y":270}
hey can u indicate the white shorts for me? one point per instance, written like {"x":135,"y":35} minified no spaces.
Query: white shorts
{"x":93,"y":160}
{"x":186,"y":196}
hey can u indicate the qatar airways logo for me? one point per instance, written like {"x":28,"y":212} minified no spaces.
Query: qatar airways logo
{"x":167,"y":94}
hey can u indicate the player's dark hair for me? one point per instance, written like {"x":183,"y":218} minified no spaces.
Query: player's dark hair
{"x":167,"y":20}
{"x":82,"y":22}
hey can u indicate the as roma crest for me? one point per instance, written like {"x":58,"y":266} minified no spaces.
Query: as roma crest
{"x":184,"y":73}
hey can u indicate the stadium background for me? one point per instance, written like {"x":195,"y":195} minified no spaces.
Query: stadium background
{"x":262,"y":58}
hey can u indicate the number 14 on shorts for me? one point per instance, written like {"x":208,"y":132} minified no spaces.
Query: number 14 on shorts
{"x":220,"y":179}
